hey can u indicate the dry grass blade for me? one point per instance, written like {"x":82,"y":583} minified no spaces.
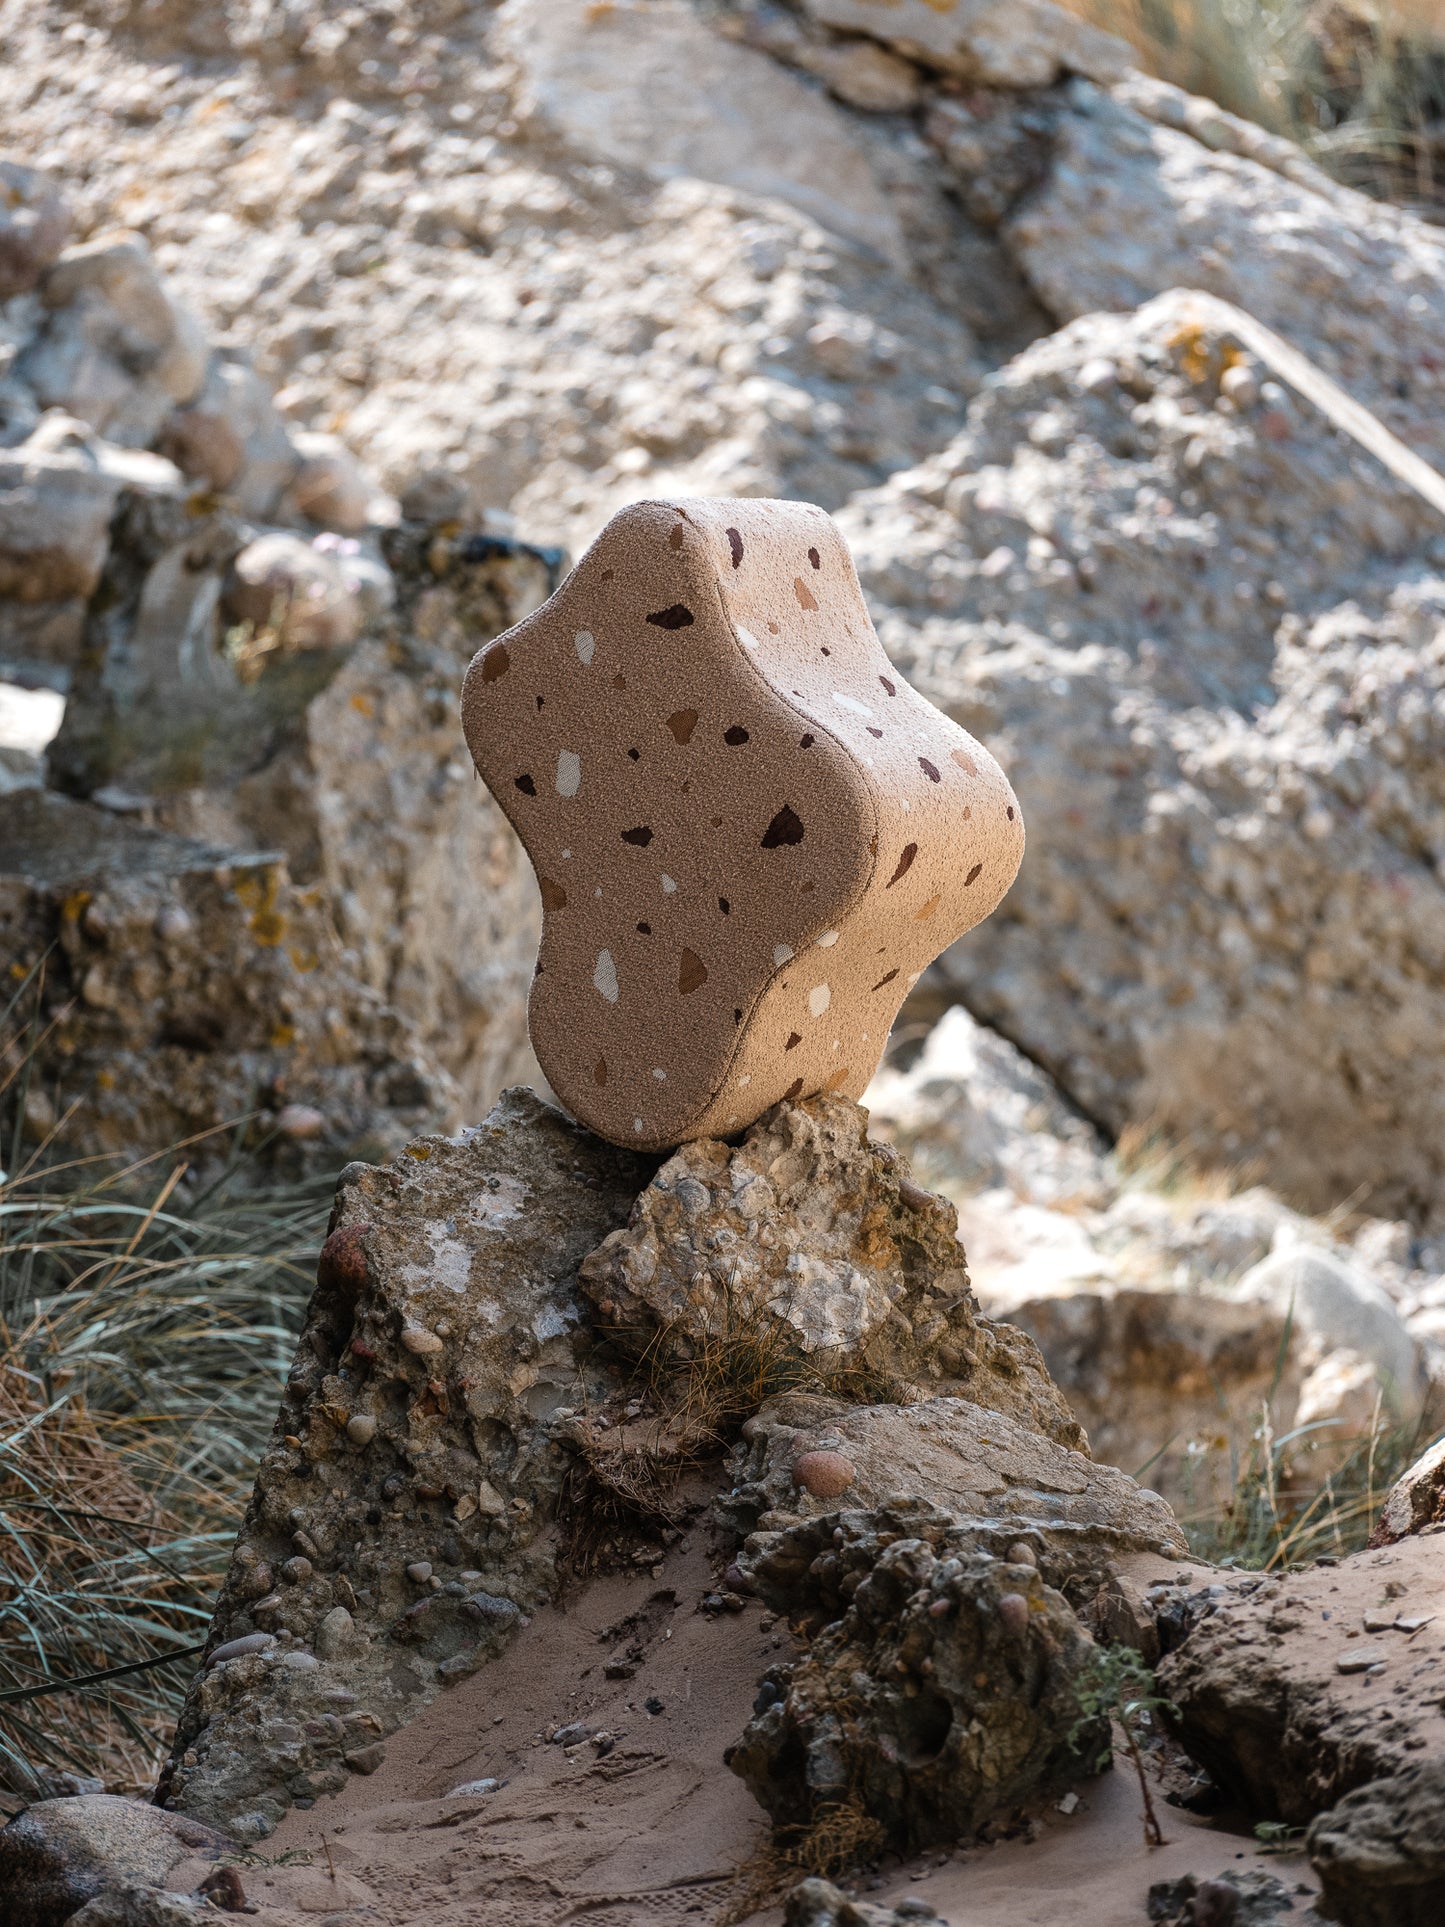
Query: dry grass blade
{"x":1304,"y":1495}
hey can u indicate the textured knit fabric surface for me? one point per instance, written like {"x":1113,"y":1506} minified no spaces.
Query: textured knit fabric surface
{"x":750,"y":834}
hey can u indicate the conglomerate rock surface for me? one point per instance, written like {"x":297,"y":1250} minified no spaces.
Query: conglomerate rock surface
{"x":801,"y":1457}
{"x":808,"y":1229}
{"x":947,"y":1689}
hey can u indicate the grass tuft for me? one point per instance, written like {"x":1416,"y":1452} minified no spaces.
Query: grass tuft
{"x":146,"y":1330}
{"x":1280,"y":1514}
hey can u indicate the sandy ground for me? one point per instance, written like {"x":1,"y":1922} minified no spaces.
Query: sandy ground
{"x":651,"y":1830}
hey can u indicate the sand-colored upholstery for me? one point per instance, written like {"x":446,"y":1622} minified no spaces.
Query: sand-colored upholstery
{"x":751,"y":835}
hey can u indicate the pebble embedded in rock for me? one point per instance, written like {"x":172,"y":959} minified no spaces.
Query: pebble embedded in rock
{"x":361,"y":1429}
{"x":419,"y":1571}
{"x":473,"y":1787}
{"x":1013,"y":1610}
{"x":424,"y":1343}
{"x":296,"y":1571}
{"x":239,"y":1648}
{"x":826,"y":1475}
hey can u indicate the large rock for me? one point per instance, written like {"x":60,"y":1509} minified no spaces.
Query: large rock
{"x":34,"y":225}
{"x":807,"y":1242}
{"x":57,"y":491}
{"x":398,"y":1534}
{"x":1130,"y":205}
{"x":182,"y":995}
{"x":654,"y":89}
{"x":803,"y":1457}
{"x":947,"y":1689}
{"x":114,"y":348}
{"x":60,"y":1854}
{"x":1379,"y":1853}
{"x":1224,"y":736}
{"x":1316,"y":1682}
{"x":995,"y":43}
{"x":404,"y":884}
{"x":1416,"y":1500}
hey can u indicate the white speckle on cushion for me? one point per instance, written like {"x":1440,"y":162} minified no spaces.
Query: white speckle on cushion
{"x":566,"y":853}
{"x":660,"y":1075}
{"x":819,"y":998}
{"x":637,"y":1124}
{"x":569,"y":772}
{"x":586,"y":645}
{"x":746,"y":1078}
{"x":782,"y":954}
{"x":747,"y":638}
{"x":851,"y":702}
{"x":668,"y":885}
{"x":604,"y":977}
{"x":827,"y":940}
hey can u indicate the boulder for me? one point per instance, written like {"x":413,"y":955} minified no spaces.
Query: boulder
{"x":654,"y":89}
{"x":331,"y":490}
{"x":144,"y":1907}
{"x":58,"y":489}
{"x":1250,"y":1899}
{"x":34,"y":225}
{"x":1300,"y":1689}
{"x":308,"y":595}
{"x":182,"y":995}
{"x":1206,"y":718}
{"x":60,"y":1854}
{"x":818,"y":1903}
{"x":807,"y":1243}
{"x":993,"y":43}
{"x":1379,"y":1853}
{"x":231,"y":438}
{"x":803,"y":1457}
{"x":398,"y":1534}
{"x":948,"y":1689}
{"x":1146,"y":188}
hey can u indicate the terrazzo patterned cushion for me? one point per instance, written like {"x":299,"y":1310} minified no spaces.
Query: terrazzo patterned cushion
{"x":751,"y":836}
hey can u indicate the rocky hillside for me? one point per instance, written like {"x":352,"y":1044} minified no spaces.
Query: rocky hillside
{"x":530,"y":262}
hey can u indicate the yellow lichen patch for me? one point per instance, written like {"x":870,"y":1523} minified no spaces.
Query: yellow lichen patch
{"x":282,"y":1035}
{"x":73,"y":905}
{"x":258,"y":892}
{"x":105,"y":1080}
{"x":363,"y":704}
{"x":421,"y":1152}
{"x":303,"y":960}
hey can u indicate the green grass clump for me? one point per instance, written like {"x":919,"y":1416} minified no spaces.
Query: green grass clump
{"x":146,"y":1330}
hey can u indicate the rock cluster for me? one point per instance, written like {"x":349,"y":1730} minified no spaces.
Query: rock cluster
{"x":1201,"y":619}
{"x":1172,"y":1309}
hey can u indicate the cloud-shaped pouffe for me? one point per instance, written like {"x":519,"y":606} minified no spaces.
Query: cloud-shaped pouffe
{"x":751,"y":835}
